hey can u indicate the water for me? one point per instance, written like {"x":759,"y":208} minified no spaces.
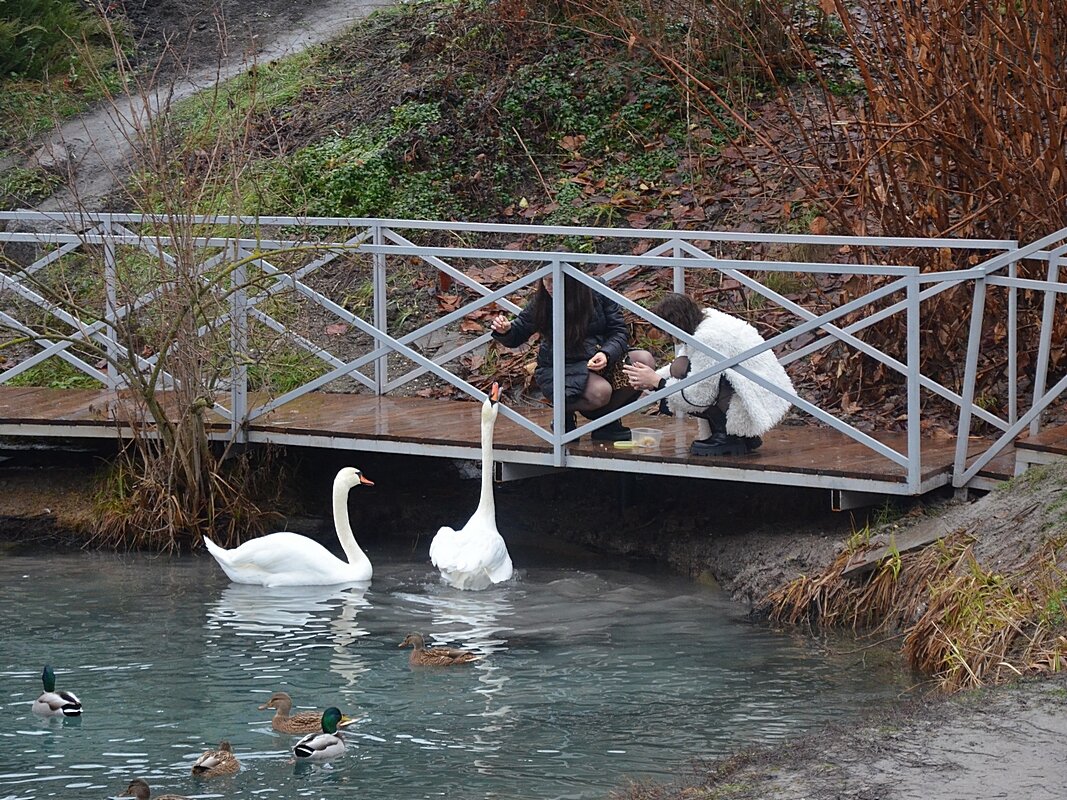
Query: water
{"x":592,"y":678}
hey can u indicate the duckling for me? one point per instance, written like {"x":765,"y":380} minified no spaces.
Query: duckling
{"x":53,"y":703}
{"x":329,"y":743}
{"x":299,"y":723}
{"x":217,"y":762}
{"x":436,"y":656}
{"x":139,"y":789}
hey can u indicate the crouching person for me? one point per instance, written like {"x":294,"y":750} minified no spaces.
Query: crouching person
{"x":732,"y":411}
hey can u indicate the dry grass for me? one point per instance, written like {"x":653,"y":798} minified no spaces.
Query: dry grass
{"x":962,"y":624}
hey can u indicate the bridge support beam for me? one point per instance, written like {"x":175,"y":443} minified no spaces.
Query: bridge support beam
{"x":845,"y":499}
{"x":508,"y":471}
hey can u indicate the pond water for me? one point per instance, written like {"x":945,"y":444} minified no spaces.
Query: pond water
{"x":592,"y":677}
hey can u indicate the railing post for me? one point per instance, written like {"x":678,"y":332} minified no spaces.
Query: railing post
{"x":1045,"y":345}
{"x":914,"y":426}
{"x":381,"y":317}
{"x":970,"y":372}
{"x":1013,"y":345}
{"x":559,"y":371}
{"x":112,"y":304}
{"x":239,"y":349}
{"x":678,"y":271}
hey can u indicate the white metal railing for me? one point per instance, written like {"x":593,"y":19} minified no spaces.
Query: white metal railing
{"x":901,"y":289}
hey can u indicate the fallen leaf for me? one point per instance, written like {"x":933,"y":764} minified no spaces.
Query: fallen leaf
{"x":450,"y":301}
{"x":819,"y":226}
{"x":470,"y":326}
{"x":336,"y":329}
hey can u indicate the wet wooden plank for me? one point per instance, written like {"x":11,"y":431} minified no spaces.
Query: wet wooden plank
{"x":1051,"y":440}
{"x":797,"y":449}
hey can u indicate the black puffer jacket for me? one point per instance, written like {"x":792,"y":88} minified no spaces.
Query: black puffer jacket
{"x":606,"y":331}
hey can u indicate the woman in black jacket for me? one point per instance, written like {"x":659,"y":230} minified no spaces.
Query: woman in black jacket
{"x":597,"y":344}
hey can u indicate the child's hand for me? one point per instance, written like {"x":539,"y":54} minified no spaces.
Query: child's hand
{"x":500,"y":324}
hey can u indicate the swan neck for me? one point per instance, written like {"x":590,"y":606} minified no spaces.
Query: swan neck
{"x":486,"y":503}
{"x":344,"y":527}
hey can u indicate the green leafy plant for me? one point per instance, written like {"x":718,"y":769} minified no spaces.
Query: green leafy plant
{"x":55,"y":373}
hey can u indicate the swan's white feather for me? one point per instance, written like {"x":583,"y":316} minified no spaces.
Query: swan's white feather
{"x":289,"y":559}
{"x":475,"y":557}
{"x":472,"y":558}
{"x":284,"y":559}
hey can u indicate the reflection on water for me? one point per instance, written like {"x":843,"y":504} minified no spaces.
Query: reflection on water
{"x":586,"y":675}
{"x":288,"y":622}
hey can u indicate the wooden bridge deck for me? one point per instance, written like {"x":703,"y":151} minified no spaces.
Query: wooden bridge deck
{"x":792,"y":455}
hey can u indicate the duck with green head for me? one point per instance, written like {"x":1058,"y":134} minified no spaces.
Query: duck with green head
{"x":329,"y":743}
{"x":55,"y":704}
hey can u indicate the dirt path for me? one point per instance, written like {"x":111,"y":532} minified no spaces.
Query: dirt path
{"x":1000,"y":743}
{"x":93,"y":148}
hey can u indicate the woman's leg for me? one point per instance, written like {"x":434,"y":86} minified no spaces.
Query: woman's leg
{"x":597,"y":394}
{"x":620,"y":397}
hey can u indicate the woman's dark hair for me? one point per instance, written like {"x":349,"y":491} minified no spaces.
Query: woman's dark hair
{"x":577,"y":311}
{"x":680,"y":310}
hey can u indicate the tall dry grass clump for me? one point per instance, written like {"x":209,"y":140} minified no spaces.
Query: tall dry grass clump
{"x":959,"y":623}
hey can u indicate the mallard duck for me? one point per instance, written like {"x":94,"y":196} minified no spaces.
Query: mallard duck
{"x":217,"y":762}
{"x":300,"y":723}
{"x":436,"y":656}
{"x":328,"y":743}
{"x":139,"y":789}
{"x":53,"y":703}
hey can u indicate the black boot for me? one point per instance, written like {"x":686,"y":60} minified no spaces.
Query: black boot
{"x":720,"y":443}
{"x":612,"y":432}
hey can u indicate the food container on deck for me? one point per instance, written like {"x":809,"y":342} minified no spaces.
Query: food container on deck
{"x":645,"y":437}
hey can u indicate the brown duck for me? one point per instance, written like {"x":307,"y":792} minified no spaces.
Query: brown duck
{"x":217,"y":762}
{"x":299,"y":723}
{"x":436,"y":656}
{"x":139,"y":789}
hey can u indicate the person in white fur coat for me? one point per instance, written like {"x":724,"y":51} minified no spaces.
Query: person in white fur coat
{"x":733,"y":412}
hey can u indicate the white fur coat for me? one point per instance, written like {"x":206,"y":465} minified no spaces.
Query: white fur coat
{"x":753,"y":410}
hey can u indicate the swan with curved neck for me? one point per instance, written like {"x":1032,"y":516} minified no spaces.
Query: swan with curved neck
{"x":289,"y":559}
{"x":476,"y":557}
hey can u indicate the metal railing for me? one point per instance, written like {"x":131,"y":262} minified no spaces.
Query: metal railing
{"x":380,"y":244}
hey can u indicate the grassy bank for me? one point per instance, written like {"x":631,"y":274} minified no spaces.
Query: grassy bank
{"x":986,"y":603}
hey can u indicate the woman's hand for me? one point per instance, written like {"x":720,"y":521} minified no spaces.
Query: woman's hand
{"x":641,"y":376}
{"x":597,"y":362}
{"x":500,"y":324}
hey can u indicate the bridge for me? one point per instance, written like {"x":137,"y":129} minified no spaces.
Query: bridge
{"x":72,"y":286}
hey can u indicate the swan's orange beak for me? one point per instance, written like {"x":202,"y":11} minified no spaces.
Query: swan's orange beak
{"x":365,"y":481}
{"x":494,"y":393}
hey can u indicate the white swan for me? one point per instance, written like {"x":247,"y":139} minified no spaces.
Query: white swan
{"x":476,"y":557}
{"x":289,"y":559}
